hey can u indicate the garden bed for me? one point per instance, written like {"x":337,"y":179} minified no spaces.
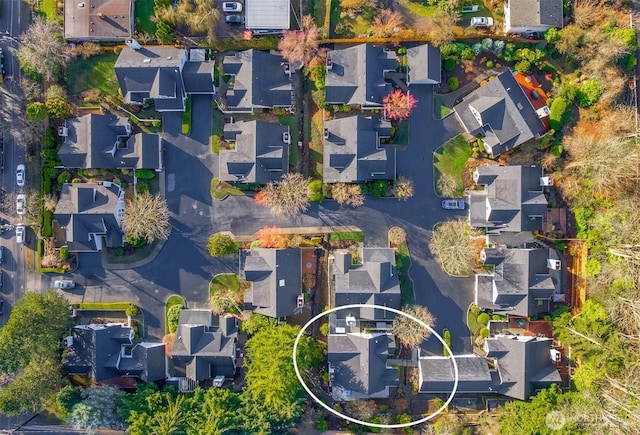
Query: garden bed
{"x":129,"y":254}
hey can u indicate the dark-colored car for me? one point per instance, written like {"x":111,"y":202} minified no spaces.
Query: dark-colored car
{"x":234,"y":19}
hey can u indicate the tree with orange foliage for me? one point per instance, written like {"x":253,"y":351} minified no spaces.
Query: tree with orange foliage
{"x":271,"y":237}
{"x":398,"y":105}
{"x":300,"y":46}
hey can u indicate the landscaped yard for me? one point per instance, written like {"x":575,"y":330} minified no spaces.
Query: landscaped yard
{"x":451,"y":158}
{"x":48,"y":7}
{"x":121,"y":306}
{"x":172,"y":301}
{"x":143,"y":13}
{"x":220,"y":189}
{"x":356,"y":236}
{"x":119,"y":255}
{"x":439,"y":109}
{"x":420,"y":10}
{"x":95,"y":74}
{"x":224,"y":281}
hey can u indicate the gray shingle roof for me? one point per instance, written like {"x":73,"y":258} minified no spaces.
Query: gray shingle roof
{"x":97,"y":352}
{"x":535,"y":13}
{"x":205,"y":345}
{"x":198,"y":77}
{"x":359,"y":364}
{"x":424,"y":65}
{"x":511,"y":201}
{"x":374,"y":282}
{"x":524,"y":364}
{"x":352,"y":151}
{"x":152,"y":72}
{"x":356,"y":75}
{"x":501,"y":111}
{"x":437,"y":375}
{"x":260,"y":155}
{"x":260,"y":80}
{"x":521,"y":284}
{"x":104,"y":142}
{"x":276,"y":280}
{"x":101,"y":20}
{"x":89,"y":211}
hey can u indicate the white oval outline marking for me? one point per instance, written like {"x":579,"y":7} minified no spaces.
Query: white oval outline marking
{"x":366,"y":423}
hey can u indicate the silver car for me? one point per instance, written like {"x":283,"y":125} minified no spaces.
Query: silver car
{"x":20,"y":171}
{"x":64,"y":284}
{"x":481,"y":22}
{"x":231,"y":7}
{"x":21,"y":203}
{"x":20,"y":234}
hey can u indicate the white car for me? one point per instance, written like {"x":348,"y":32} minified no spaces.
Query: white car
{"x":20,"y":171}
{"x":231,"y":7}
{"x":21,"y":203}
{"x":64,"y":284}
{"x":20,"y":234}
{"x":481,"y":22}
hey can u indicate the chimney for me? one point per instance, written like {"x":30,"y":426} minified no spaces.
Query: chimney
{"x":100,"y":15}
{"x":326,"y":133}
{"x":554,"y":264}
{"x":133,"y":44}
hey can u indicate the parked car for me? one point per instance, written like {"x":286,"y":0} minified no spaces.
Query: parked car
{"x":231,"y":7}
{"x":481,"y":22}
{"x":453,"y":204}
{"x":19,"y":234}
{"x":1,"y":250}
{"x":21,"y":203}
{"x":20,"y":170}
{"x":64,"y":284}
{"x":234,"y":19}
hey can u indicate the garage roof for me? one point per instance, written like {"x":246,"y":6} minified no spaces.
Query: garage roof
{"x":273,"y":14}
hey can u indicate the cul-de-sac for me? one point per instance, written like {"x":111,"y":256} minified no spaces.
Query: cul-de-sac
{"x":319,"y":216}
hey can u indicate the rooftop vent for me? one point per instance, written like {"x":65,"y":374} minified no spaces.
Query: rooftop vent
{"x":286,"y":137}
{"x":554,"y":264}
{"x":326,"y":133}
{"x":81,"y":5}
{"x":100,"y":15}
{"x":63,"y":131}
{"x":351,"y":321}
{"x":329,"y":64}
{"x":133,"y":44}
{"x":147,"y":60}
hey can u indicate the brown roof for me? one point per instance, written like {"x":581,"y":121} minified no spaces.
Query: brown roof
{"x":98,"y":19}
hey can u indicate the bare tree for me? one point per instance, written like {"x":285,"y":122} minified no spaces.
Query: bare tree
{"x":444,"y":27}
{"x":43,"y":50}
{"x":198,"y":15}
{"x":397,"y":235}
{"x":300,"y":46}
{"x":226,"y":301}
{"x":361,"y":410}
{"x":50,"y":202}
{"x":355,"y":4}
{"x":586,"y":12}
{"x":403,"y":188}
{"x":409,"y":332}
{"x":451,"y":246}
{"x":146,"y":217}
{"x":347,"y":194}
{"x":288,"y":197}
{"x":447,"y":184}
{"x":386,"y":23}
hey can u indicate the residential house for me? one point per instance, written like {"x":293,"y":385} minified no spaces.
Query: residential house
{"x":502,"y":114}
{"x":520,"y":366}
{"x":512,"y":200}
{"x":109,"y":354}
{"x":205,"y":347}
{"x":358,"y":366}
{"x":90,"y":216}
{"x":275,"y":276}
{"x":424,"y":65}
{"x":105,"y":142}
{"x":526,"y":16}
{"x":162,"y":74}
{"x":259,"y":80}
{"x":520,"y":282}
{"x":353,"y":152}
{"x":270,"y":15}
{"x":98,"y":20}
{"x":524,"y":364}
{"x":374,"y":282}
{"x":260,"y":155}
{"x":356,"y":75}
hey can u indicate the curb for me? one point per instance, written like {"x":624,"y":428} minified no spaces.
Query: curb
{"x":143,"y":262}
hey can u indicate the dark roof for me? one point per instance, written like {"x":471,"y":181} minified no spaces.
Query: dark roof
{"x":198,"y":77}
{"x":107,"y":351}
{"x":356,"y":75}
{"x":522,"y":284}
{"x":437,"y":375}
{"x":373,"y":282}
{"x":524,"y":364}
{"x":352,"y":151}
{"x":512,"y":200}
{"x":359,"y":364}
{"x":152,"y":72}
{"x":102,"y":20}
{"x":260,"y":80}
{"x":104,"y":142}
{"x":501,"y":112}
{"x":89,"y":212}
{"x":205,"y":345}
{"x":534,"y":13}
{"x":276,"y":280}
{"x":260,"y":155}
{"x":424,"y":65}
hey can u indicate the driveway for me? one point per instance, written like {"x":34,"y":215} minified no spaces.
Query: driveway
{"x":184,"y":266}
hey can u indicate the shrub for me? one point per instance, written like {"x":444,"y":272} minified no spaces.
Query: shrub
{"x":145,"y":174}
{"x":475,"y":310}
{"x":64,"y":177}
{"x":124,"y":184}
{"x":220,"y":245}
{"x":46,"y":231}
{"x":64,"y":252}
{"x":556,"y":150}
{"x":76,"y":180}
{"x":142,"y":187}
{"x":476,"y":48}
{"x":523,"y":66}
{"x":489,"y":64}
{"x":558,"y":113}
{"x":449,"y":64}
{"x":509,"y":51}
{"x":589,"y":93}
{"x":326,"y":190}
{"x":173,"y":315}
{"x":484,"y":333}
{"x":36,"y":111}
{"x":315,"y":191}
{"x":324,"y":329}
{"x":483,"y":318}
{"x":552,"y":35}
{"x":322,"y":425}
{"x":46,"y":185}
{"x":49,"y":141}
{"x":446,"y":336}
{"x":454,"y":83}
{"x":132,"y":310}
{"x":379,"y":188}
{"x":498,"y":47}
{"x":125,"y":171}
{"x":467,"y":54}
{"x":487,"y":44}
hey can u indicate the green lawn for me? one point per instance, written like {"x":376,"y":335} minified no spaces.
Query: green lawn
{"x":48,"y":7}
{"x":143,"y":13}
{"x":402,"y":133}
{"x":292,"y":122}
{"x":406,"y":284}
{"x":420,"y":10}
{"x":450,"y":158}
{"x":223,"y":282}
{"x":483,"y":11}
{"x":186,"y":117}
{"x":121,"y":306}
{"x":472,"y":322}
{"x":356,"y":236}
{"x":319,"y":12}
{"x":139,"y":254}
{"x":171,"y":301}
{"x":96,"y":73}
{"x":221,"y":193}
{"x":439,"y":109}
